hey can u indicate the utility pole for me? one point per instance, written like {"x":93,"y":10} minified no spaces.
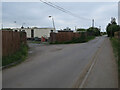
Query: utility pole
{"x":75,"y":28}
{"x":2,"y":26}
{"x":100,"y":28}
{"x":93,"y":23}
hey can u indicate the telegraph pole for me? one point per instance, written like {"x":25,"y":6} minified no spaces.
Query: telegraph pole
{"x":93,"y":23}
{"x":75,"y":28}
{"x":100,"y":28}
{"x":2,"y":26}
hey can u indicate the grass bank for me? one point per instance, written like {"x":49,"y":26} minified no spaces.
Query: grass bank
{"x":76,"y":40}
{"x":116,"y":47}
{"x":18,"y":56}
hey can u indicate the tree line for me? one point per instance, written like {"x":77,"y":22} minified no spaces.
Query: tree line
{"x":92,"y":30}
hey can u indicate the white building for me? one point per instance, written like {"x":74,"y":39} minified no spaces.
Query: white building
{"x":36,"y":32}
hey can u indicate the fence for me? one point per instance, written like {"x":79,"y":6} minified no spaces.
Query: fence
{"x":11,"y":41}
{"x":63,"y":36}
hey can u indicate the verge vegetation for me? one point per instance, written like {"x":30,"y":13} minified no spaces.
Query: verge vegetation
{"x":116,"y":47}
{"x":18,"y":56}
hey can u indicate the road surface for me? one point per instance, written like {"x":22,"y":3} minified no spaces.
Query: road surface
{"x":65,"y":66}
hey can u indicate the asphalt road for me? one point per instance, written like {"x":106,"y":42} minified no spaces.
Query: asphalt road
{"x":59,"y":66}
{"x":104,"y":73}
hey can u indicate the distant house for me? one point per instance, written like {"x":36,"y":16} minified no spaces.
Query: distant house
{"x":36,"y":32}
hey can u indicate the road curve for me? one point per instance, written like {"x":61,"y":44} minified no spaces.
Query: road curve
{"x":53,"y":66}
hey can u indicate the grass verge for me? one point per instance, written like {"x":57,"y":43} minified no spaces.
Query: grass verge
{"x":116,"y":47}
{"x":20,"y":55}
{"x":90,"y":38}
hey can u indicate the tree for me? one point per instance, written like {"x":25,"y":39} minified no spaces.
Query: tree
{"x":94,"y":31}
{"x":81,"y":29}
{"x":113,"y":21}
{"x":112,"y":27}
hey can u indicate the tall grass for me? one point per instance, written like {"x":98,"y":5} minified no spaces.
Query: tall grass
{"x":116,"y":47}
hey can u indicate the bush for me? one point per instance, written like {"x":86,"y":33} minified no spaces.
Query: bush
{"x":81,"y":39}
{"x":94,"y":31}
{"x":81,"y":29}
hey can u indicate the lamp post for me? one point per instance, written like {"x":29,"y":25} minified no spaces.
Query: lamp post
{"x":52,"y":21}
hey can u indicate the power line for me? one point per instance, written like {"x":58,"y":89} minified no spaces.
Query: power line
{"x":62,"y":9}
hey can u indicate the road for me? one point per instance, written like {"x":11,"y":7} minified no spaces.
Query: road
{"x":104,"y":73}
{"x":65,"y":66}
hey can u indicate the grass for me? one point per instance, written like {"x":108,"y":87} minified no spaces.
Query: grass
{"x":116,"y":47}
{"x":38,"y":42}
{"x":20,"y":55}
{"x":35,"y":42}
{"x":76,"y":40}
{"x":90,"y":38}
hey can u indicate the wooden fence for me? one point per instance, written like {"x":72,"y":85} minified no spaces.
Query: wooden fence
{"x":11,"y":41}
{"x":63,"y":36}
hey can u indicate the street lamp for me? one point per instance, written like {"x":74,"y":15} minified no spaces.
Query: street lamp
{"x":53,"y":22}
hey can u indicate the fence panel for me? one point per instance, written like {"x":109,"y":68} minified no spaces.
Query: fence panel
{"x":11,"y":41}
{"x":64,"y":36}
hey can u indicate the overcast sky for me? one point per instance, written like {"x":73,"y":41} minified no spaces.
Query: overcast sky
{"x":36,"y":14}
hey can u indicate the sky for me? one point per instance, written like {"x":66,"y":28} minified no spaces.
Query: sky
{"x":36,"y":14}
